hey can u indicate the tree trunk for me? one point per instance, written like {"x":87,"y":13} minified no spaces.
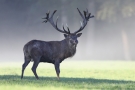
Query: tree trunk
{"x":125,"y":45}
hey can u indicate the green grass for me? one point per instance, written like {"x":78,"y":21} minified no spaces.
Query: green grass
{"x":75,"y":75}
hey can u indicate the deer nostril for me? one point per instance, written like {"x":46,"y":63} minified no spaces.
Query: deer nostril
{"x":76,"y":41}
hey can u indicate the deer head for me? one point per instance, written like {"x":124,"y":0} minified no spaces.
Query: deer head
{"x":71,"y":37}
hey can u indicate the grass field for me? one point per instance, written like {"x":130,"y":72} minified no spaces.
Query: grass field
{"x":75,"y":75}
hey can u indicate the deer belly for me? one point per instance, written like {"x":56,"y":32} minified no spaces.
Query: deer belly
{"x":46,"y":59}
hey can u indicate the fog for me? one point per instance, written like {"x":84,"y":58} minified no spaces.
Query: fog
{"x":21,"y":21}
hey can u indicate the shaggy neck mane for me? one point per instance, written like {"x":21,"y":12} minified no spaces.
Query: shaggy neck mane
{"x":70,"y":51}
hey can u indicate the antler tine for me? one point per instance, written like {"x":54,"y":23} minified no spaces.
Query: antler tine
{"x":85,"y":18}
{"x":57,"y":21}
{"x":47,"y":17}
{"x":80,"y":13}
{"x":53,"y":13}
{"x":92,"y":16}
{"x":47,"y":14}
{"x":88,"y":16}
{"x":65,"y":29}
{"x":68,"y":28}
{"x":50,"y":19}
{"x":57,"y":26}
{"x":85,"y":14}
{"x":81,"y":24}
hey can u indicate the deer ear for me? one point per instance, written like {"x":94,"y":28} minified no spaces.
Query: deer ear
{"x":79,"y":34}
{"x":65,"y":35}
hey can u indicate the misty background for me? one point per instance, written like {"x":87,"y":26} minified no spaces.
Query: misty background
{"x":108,"y":36}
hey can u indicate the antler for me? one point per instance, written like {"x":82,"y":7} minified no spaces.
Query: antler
{"x":85,"y":17}
{"x":50,"y":19}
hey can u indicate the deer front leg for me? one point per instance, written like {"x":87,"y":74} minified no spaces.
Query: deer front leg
{"x":57,"y":65}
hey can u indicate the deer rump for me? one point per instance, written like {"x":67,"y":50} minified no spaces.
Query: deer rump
{"x":48,"y":51}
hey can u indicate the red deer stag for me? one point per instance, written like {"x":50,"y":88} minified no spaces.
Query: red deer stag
{"x":53,"y":51}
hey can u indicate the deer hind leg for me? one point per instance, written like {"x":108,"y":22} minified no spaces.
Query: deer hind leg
{"x":34,"y":67}
{"x":26,"y":62}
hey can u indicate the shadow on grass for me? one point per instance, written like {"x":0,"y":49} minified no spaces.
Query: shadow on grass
{"x":67,"y":80}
